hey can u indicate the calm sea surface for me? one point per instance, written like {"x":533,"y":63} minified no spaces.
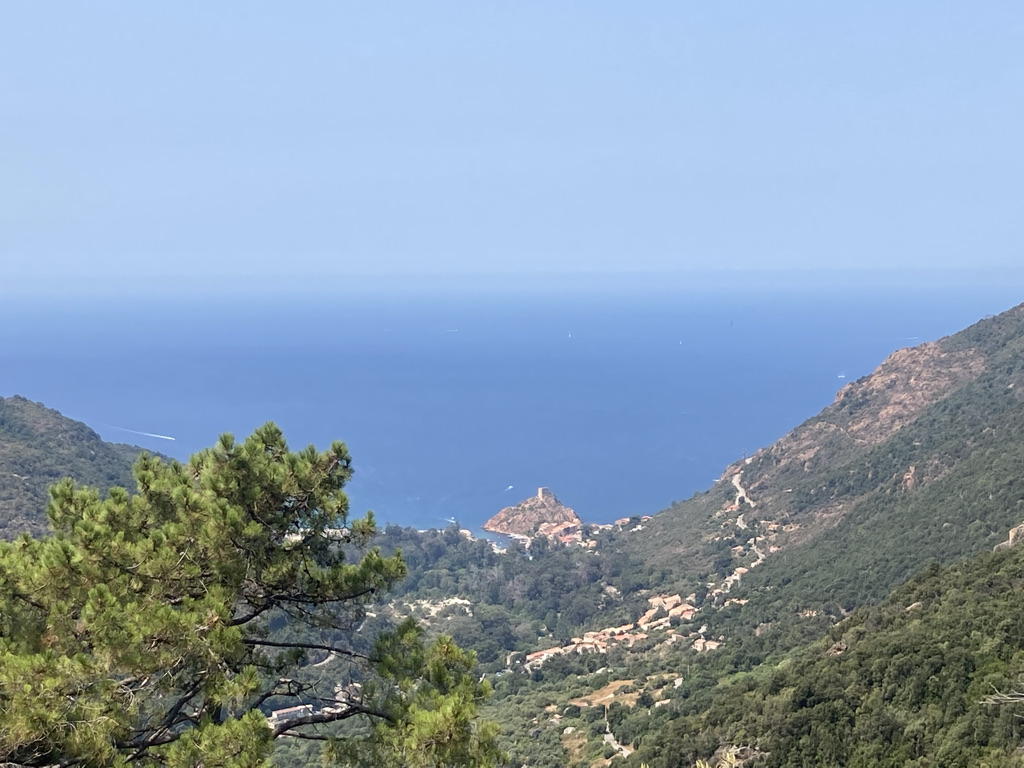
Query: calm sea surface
{"x":456,"y":404}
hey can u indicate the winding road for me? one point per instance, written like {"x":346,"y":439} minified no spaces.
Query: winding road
{"x":741,"y":492}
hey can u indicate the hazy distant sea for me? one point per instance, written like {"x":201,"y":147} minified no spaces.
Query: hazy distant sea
{"x":455,"y":403}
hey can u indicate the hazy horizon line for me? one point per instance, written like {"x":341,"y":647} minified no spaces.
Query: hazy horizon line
{"x":692,"y":278}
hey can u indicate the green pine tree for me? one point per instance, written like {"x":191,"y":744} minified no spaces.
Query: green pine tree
{"x":157,"y":628}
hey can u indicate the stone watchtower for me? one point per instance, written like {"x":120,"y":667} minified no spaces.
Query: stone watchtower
{"x":545,"y":494}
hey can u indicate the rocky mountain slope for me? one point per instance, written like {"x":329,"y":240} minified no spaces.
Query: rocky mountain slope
{"x":38,"y":447}
{"x":919,"y":460}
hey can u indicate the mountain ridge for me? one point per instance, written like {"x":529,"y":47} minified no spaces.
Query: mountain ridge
{"x":38,"y":447}
{"x":870,"y":437}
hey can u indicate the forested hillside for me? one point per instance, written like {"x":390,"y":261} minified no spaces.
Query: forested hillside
{"x":918,"y":461}
{"x":907,"y":682}
{"x":38,"y":447}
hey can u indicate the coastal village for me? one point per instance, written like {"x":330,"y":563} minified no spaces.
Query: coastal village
{"x":659,"y":618}
{"x":667,"y":617}
{"x":544,"y":516}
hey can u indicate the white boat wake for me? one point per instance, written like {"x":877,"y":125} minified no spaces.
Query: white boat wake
{"x":144,"y":434}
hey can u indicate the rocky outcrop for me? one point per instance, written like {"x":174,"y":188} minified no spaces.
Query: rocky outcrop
{"x":865,"y":413}
{"x":528,"y":516}
{"x":1016,"y":534}
{"x":905,"y":384}
{"x":871,"y":409}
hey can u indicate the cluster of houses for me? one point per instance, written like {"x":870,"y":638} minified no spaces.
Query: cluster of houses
{"x":668,"y":606}
{"x":622,"y":522}
{"x":571,"y":532}
{"x":567,"y":533}
{"x":664,"y":607}
{"x":659,"y":617}
{"x":575,"y":533}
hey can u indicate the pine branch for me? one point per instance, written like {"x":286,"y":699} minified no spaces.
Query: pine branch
{"x":327,"y":715}
{"x":310,"y":646}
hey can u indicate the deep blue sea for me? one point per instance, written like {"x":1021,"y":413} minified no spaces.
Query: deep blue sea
{"x":455,"y":403}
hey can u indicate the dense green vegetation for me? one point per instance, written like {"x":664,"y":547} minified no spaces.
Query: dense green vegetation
{"x":519,"y":599}
{"x":903,"y":683}
{"x":159,"y":628}
{"x":38,"y":447}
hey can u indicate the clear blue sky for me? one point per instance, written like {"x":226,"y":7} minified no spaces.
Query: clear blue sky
{"x":195,"y":141}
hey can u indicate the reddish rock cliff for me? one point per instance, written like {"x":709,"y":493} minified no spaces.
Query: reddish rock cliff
{"x":526,"y":517}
